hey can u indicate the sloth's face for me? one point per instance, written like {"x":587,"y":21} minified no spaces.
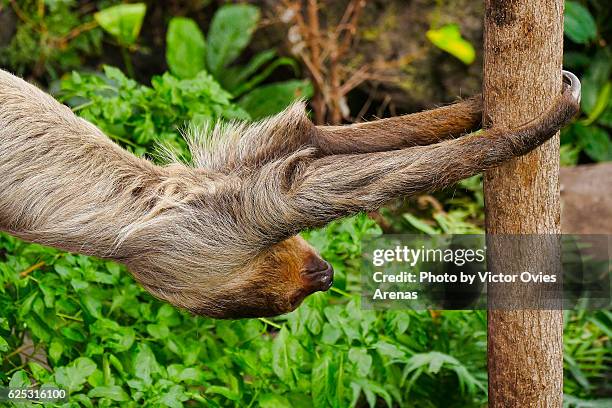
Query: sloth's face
{"x":274,"y":283}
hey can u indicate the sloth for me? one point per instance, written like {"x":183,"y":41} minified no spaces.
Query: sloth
{"x":219,"y":236}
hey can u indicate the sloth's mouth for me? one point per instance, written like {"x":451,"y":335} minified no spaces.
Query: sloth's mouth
{"x":319,"y":280}
{"x":314,"y":281}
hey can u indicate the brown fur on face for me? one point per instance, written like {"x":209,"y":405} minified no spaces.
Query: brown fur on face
{"x":273,"y":283}
{"x":219,"y":236}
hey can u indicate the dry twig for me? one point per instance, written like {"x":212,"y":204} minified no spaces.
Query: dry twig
{"x":326,"y":51}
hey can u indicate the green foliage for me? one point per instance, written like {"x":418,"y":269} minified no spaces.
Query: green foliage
{"x":188,"y":52}
{"x":243,"y":78}
{"x":573,"y":402}
{"x":111,"y":343}
{"x":448,"y":38}
{"x":590,"y":134}
{"x":462,"y":214}
{"x":122,"y":21}
{"x":45,"y":40}
{"x":579,"y":24}
{"x":138,"y":116}
{"x":273,"y":97}
{"x":587,"y":355}
{"x":593,"y":140}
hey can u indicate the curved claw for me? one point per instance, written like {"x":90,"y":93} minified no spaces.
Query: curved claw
{"x":574,"y":84}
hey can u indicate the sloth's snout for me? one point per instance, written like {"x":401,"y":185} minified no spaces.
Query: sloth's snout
{"x":318,"y":274}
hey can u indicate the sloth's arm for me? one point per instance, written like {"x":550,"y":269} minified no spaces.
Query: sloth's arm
{"x":291,"y":130}
{"x":331,"y":187}
{"x":422,"y":128}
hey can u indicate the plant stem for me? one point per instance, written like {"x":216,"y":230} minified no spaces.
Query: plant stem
{"x":127,"y":61}
{"x":271,"y":323}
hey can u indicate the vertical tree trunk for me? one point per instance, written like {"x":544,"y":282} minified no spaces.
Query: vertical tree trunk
{"x":523,"y":46}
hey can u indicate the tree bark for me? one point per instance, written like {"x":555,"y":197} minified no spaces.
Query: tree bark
{"x":523,"y":46}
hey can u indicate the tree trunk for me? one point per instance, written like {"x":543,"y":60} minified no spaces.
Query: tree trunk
{"x":523,"y":46}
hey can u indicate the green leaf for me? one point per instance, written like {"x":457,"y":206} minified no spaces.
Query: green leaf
{"x":113,"y":392}
{"x":4,"y":323}
{"x":158,"y":330}
{"x":56,"y":349}
{"x":73,"y":376}
{"x":330,"y":334}
{"x":145,"y":364}
{"x":180,"y":373}
{"x":595,"y":141}
{"x":174,"y":397}
{"x":20,"y":380}
{"x":389,"y":350}
{"x":323,"y":381}
{"x":270,"y":400}
{"x":114,"y":336}
{"x":569,"y":155}
{"x":26,"y":306}
{"x":73,"y":332}
{"x":361,"y":359}
{"x":168,"y":315}
{"x":570,"y":401}
{"x":270,"y":99}
{"x":234,"y":76}
{"x":185,"y":47}
{"x":603,"y":100}
{"x":83,"y":399}
{"x":114,"y":361}
{"x":419,"y":224}
{"x":122,"y":21}
{"x":579,"y":25}
{"x":4,"y":346}
{"x":38,"y":371}
{"x":577,"y":373}
{"x":97,"y":378}
{"x":91,"y":304}
{"x":448,"y":38}
{"x":606,"y":117}
{"x":433,"y":361}
{"x":225,"y":391}
{"x":230,"y":32}
{"x":281,"y":363}
{"x":39,"y":329}
{"x":595,"y":78}
{"x":575,"y":60}
{"x":371,"y":390}
{"x":263,"y":75}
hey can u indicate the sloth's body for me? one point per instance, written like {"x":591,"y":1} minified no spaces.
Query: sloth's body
{"x":219,"y":237}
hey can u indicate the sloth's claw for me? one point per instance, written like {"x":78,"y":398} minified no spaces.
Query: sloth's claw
{"x":574,"y":84}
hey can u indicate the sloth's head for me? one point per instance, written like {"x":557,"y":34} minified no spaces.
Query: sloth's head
{"x":274,"y":282}
{"x":232,"y":281}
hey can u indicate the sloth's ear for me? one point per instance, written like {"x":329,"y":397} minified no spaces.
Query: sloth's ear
{"x":294,"y":165}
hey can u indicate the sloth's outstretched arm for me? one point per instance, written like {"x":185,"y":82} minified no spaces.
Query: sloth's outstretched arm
{"x":291,"y":130}
{"x":422,"y":128}
{"x":330,"y":187}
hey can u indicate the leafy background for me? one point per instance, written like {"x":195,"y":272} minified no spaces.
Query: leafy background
{"x":83,"y":324}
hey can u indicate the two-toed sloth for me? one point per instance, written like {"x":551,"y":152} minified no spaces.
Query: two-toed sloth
{"x":219,"y":237}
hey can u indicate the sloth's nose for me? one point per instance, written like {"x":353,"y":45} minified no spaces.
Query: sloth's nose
{"x":318,"y":274}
